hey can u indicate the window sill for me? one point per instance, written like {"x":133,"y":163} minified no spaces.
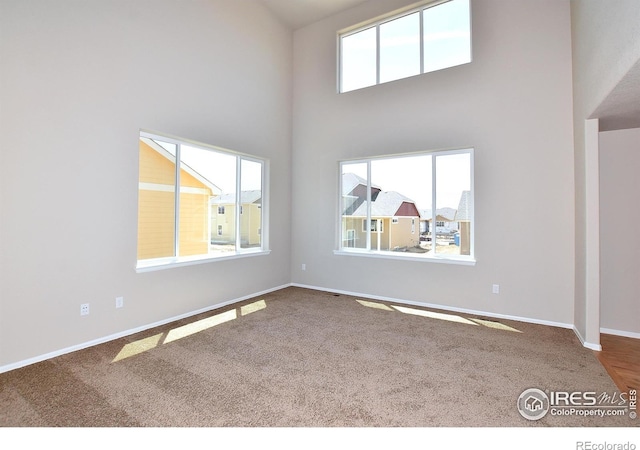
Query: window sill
{"x":168,"y":263}
{"x":448,"y":259}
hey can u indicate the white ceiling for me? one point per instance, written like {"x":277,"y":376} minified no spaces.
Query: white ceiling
{"x":299,"y":13}
{"x":621,"y":108}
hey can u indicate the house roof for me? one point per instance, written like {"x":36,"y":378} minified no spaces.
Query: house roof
{"x":386,"y":204}
{"x":465,"y":207}
{"x":245,"y":198}
{"x":443,"y":214}
{"x":351,"y":180}
{"x":172,"y":157}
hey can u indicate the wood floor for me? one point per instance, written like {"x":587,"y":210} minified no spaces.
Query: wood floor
{"x":620,"y":356}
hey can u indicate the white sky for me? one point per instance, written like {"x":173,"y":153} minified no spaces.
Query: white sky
{"x":219,"y":168}
{"x":411,"y":177}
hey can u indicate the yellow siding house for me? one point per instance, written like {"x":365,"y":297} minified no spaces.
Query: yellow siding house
{"x":156,"y":205}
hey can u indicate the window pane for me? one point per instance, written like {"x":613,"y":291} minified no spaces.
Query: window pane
{"x":402,"y":187}
{"x":192,"y":205}
{"x":454,"y":204}
{"x":205,"y":176}
{"x":354,"y":205}
{"x":400,"y":48}
{"x":156,"y":199}
{"x":447,"y":35}
{"x":410,"y":211}
{"x":251,"y":204}
{"x":358,"y":66}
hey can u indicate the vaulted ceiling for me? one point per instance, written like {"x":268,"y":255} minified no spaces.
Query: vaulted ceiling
{"x":299,"y":13}
{"x":621,"y":109}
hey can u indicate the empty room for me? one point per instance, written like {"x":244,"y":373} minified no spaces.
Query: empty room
{"x":282,"y":213}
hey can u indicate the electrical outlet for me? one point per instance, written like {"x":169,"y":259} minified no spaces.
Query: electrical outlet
{"x":304,"y":267}
{"x":496,"y":288}
{"x":84,"y":309}
{"x":119,"y":302}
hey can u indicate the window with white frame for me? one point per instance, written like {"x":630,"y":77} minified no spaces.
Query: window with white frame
{"x":431,"y":37}
{"x":190,"y":199}
{"x":407,"y":190}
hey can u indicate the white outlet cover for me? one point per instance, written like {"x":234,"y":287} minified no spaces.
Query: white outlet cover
{"x":119,"y":302}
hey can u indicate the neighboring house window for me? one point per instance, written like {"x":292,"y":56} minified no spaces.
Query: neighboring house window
{"x":350,"y":240}
{"x":440,"y":224}
{"x":188,"y":206}
{"x":430,"y":37}
{"x":403,"y":190}
{"x":374,"y":225}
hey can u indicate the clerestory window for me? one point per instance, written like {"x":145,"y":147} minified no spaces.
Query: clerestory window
{"x":431,"y":37}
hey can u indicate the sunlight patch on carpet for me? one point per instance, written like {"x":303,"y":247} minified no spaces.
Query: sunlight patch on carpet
{"x":149,"y":343}
{"x":434,"y":315}
{"x":374,"y":305}
{"x":439,"y":316}
{"x":139,"y":346}
{"x":252,"y":307}
{"x":496,"y":325}
{"x":200,"y":325}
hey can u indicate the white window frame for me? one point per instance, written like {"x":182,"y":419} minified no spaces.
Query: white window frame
{"x":377,"y":22}
{"x":146,"y":265}
{"x":369,"y":250}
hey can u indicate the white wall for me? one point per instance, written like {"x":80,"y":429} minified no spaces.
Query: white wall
{"x":78,"y":80}
{"x":512,"y":104}
{"x":619,"y":235}
{"x":605,"y":46}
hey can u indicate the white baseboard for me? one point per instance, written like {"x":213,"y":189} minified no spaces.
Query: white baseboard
{"x":629,"y":334}
{"x":112,"y":337}
{"x":590,"y":345}
{"x":441,"y":307}
{"x":102,"y":340}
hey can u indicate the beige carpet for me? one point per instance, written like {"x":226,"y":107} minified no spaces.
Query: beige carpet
{"x":302,"y":358}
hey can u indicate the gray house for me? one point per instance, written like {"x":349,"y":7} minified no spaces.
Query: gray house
{"x":445,"y":220}
{"x":463,"y":217}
